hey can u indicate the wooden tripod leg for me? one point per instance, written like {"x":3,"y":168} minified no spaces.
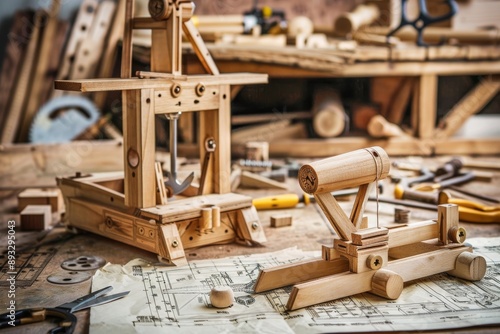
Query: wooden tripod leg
{"x":288,"y":274}
{"x":171,"y":250}
{"x":359,"y":204}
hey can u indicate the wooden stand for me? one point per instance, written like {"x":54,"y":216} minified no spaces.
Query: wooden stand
{"x":376,"y":260}
{"x":125,"y":207}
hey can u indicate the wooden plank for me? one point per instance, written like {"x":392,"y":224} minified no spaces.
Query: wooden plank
{"x":469,"y":105}
{"x":427,"y":105}
{"x":126,"y":60}
{"x":18,"y":39}
{"x":288,"y":274}
{"x":189,"y":208}
{"x":23,"y":83}
{"x":256,"y":181}
{"x":94,"y":85}
{"x":467,"y":146}
{"x":41,"y":76}
{"x":27,"y":165}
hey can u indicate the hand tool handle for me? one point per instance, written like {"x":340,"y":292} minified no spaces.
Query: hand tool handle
{"x":285,"y":201}
{"x":346,"y":170}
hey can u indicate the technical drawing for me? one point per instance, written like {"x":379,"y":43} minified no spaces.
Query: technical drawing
{"x":177,"y":298}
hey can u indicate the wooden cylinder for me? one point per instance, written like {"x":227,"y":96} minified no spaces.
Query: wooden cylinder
{"x":379,"y":127}
{"x":469,"y":266}
{"x":387,"y":284}
{"x":206,"y":219}
{"x":221,"y":296}
{"x":329,"y":117}
{"x":216,"y":216}
{"x":362,"y":15}
{"x":346,"y":170}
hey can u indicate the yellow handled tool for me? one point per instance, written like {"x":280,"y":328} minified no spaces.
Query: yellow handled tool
{"x":280,"y":201}
{"x":472,"y":211}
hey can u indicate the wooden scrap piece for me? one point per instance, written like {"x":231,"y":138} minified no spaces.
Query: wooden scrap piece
{"x":36,"y":218}
{"x":36,"y":196}
{"x":252,"y":180}
{"x":281,"y":220}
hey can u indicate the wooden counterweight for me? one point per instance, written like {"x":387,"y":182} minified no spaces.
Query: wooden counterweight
{"x":347,"y":170}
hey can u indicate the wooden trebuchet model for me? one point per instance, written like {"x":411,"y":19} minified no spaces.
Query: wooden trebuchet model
{"x":132,"y":207}
{"x":377,"y":260}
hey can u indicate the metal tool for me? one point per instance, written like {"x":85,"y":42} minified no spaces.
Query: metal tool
{"x":172,"y":184}
{"x":210,"y":146}
{"x":64,"y":311}
{"x":63,"y":119}
{"x":423,"y":19}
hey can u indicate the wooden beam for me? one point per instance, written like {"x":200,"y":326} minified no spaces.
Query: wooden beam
{"x":427,"y":105}
{"x":94,"y":85}
{"x":469,"y":105}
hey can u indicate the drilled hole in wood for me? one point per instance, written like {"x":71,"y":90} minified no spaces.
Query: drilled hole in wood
{"x":83,"y":28}
{"x":224,"y":96}
{"x":148,"y":100}
{"x":111,"y":199}
{"x":133,"y":174}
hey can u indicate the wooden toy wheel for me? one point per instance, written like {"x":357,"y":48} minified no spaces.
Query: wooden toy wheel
{"x":469,"y":266}
{"x":387,"y":284}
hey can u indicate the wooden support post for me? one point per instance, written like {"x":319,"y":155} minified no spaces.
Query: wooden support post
{"x":217,"y":124}
{"x":427,"y":105}
{"x":139,"y":146}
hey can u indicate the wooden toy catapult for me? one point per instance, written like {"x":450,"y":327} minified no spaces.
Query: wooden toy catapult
{"x":376,"y":260}
{"x":132,"y":207}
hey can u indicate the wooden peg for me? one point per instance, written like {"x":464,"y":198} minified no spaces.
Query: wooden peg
{"x":387,"y":284}
{"x":348,"y":23}
{"x":221,"y":296}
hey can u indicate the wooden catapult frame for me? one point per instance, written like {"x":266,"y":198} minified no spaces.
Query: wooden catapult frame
{"x":376,"y":260}
{"x":132,"y":207}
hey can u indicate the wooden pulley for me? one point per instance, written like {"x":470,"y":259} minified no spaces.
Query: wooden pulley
{"x":346,"y":170}
{"x":160,"y":9}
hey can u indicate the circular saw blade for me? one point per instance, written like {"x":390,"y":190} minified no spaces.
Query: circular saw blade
{"x":62,"y":119}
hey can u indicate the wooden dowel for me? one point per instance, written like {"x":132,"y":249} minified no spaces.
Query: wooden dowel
{"x":329,"y":118}
{"x":347,"y":170}
{"x":348,"y":23}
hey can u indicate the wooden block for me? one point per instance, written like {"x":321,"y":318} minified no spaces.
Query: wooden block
{"x":281,"y":220}
{"x":36,"y":196}
{"x":364,"y":235}
{"x":36,"y":218}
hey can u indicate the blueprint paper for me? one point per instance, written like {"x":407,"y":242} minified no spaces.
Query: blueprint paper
{"x":176,"y":299}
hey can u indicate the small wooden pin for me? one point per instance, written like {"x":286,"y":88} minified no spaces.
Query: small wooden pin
{"x":221,"y":296}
